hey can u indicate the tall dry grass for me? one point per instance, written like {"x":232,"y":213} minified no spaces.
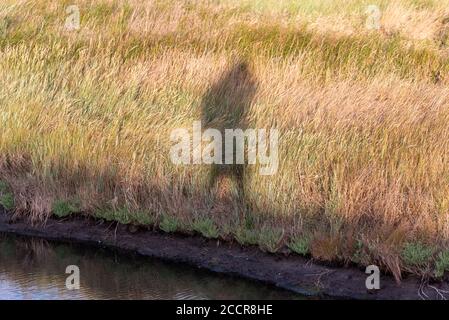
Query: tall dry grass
{"x":363,"y":117}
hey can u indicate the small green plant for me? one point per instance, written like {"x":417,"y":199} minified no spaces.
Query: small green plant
{"x":7,"y":201}
{"x":359,"y":253}
{"x":416,"y":254}
{"x":125,"y":216}
{"x":300,"y":245}
{"x":442,"y":264}
{"x":6,"y":197}
{"x":169,"y":224}
{"x":206,"y":228}
{"x":246,"y":236}
{"x":103,"y":214}
{"x":63,"y":208}
{"x":143,"y":218}
{"x":270,"y":239}
{"x":122,"y":215}
{"x":3,"y":187}
{"x":226,"y":231}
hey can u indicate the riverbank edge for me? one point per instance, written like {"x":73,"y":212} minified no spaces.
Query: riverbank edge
{"x":291,"y":272}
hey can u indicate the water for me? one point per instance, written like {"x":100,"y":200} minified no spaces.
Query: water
{"x":35,"y":269}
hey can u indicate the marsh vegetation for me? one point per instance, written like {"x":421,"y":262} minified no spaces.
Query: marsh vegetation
{"x":363,"y":117}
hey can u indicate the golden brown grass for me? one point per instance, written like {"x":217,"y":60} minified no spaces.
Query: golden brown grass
{"x":86,"y":118}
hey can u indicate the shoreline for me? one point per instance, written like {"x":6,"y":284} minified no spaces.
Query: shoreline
{"x":295,"y":273}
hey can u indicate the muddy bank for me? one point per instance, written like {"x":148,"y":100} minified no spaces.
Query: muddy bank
{"x":289,"y":272}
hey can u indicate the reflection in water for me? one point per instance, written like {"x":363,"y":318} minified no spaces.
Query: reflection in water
{"x":35,"y":269}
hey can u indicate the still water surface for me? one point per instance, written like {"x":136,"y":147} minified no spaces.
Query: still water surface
{"x":35,"y":269}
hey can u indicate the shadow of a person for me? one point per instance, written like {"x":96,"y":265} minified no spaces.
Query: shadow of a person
{"x":224,"y":107}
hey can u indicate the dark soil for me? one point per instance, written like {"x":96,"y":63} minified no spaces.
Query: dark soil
{"x":290,"y":272}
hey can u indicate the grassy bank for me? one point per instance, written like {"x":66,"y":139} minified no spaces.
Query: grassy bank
{"x":86,"y":118}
